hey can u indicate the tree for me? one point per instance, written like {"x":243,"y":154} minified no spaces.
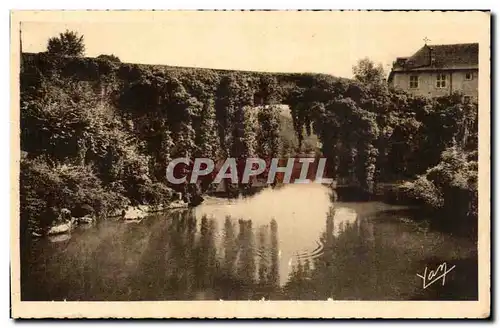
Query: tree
{"x":244,"y":132}
{"x":268,"y":135}
{"x":68,"y":43}
{"x":368,"y":73}
{"x":207,"y":141}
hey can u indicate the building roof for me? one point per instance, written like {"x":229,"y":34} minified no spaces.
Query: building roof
{"x":439,"y":57}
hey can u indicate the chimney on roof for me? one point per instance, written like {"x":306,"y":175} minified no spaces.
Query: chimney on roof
{"x":432,"y":59}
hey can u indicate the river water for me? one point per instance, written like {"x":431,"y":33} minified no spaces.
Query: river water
{"x":288,"y":243}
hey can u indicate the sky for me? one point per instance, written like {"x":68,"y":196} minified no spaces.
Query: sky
{"x":285,"y":41}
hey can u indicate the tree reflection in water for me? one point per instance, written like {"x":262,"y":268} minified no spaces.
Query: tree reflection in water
{"x":242,"y":261}
{"x":185,"y":257}
{"x":199,"y":266}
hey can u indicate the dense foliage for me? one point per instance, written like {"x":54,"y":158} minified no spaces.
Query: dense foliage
{"x":449,"y":189}
{"x":123,"y":123}
{"x":111,"y":58}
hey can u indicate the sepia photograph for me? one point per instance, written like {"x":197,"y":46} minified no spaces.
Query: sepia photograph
{"x":194,"y":164}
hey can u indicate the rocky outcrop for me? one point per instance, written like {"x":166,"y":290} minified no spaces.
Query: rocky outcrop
{"x":141,"y":211}
{"x":61,"y":228}
{"x":135,"y":213}
{"x":177,"y":204}
{"x":65,"y":222}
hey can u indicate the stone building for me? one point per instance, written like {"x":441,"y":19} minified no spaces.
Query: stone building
{"x":438,"y":70}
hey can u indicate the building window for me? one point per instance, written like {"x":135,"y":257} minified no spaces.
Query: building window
{"x":441,"y":81}
{"x":468,"y":76}
{"x":413,"y":81}
{"x":467,"y":99}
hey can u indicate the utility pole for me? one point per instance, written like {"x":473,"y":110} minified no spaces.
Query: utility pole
{"x":21,"y":45}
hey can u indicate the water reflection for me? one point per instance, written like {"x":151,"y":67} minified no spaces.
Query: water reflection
{"x":251,"y":249}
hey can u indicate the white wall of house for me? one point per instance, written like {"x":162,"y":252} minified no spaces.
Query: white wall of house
{"x":427,"y":86}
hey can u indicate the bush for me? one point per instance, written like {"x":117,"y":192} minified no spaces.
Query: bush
{"x":38,"y":193}
{"x":423,"y":192}
{"x":449,"y":188}
{"x":45,"y":189}
{"x":83,"y":188}
{"x":155,"y":193}
{"x":111,"y":58}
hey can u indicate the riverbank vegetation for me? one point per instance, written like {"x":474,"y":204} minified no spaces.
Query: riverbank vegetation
{"x":97,"y":132}
{"x":449,"y":190}
{"x":372,"y":135}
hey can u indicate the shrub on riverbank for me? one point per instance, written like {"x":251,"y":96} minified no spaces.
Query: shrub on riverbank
{"x":79,"y":152}
{"x":45,"y":189}
{"x":449,"y":189}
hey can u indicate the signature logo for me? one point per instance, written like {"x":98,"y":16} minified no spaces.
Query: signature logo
{"x":431,"y":276}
